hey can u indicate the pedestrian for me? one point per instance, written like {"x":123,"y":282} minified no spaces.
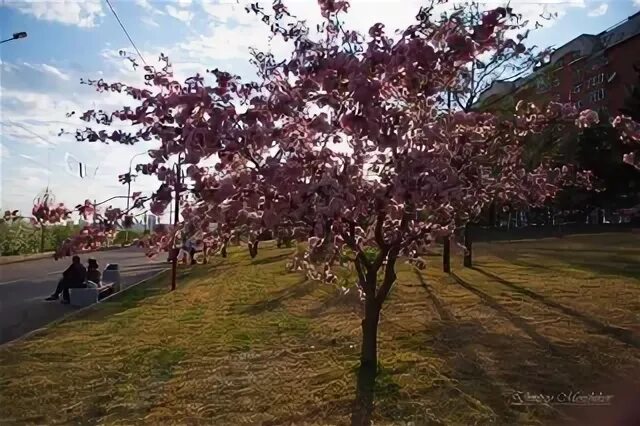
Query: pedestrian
{"x":93,"y":271}
{"x":73,"y":277}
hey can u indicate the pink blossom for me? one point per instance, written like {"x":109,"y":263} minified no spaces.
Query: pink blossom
{"x":587,"y":118}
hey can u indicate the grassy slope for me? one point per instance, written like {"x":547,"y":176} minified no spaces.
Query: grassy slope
{"x":242,"y":342}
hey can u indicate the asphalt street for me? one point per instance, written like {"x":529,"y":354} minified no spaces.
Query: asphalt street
{"x":25,"y":285}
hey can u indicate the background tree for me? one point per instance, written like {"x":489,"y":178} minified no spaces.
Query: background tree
{"x":507,"y":60}
{"x":631,"y":107}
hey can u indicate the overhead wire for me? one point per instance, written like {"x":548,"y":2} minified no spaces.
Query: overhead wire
{"x":49,"y":144}
{"x":125,"y":31}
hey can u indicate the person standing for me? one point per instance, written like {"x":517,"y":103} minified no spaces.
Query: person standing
{"x":73,"y":277}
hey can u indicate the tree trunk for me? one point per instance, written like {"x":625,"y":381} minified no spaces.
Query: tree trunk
{"x":446,"y":255}
{"x":253,"y":249}
{"x":468,"y":247}
{"x":223,"y":252}
{"x":363,"y":407}
{"x":42,"y":239}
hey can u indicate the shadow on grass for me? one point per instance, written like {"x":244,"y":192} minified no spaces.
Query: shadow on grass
{"x":460,"y":343}
{"x":295,"y":291}
{"x":127,"y":299}
{"x":623,"y":266}
{"x":579,"y":250}
{"x":613,"y":262}
{"x":488,"y":367}
{"x":271,"y":259}
{"x":516,"y":320}
{"x":620,"y":334}
{"x":443,"y":312}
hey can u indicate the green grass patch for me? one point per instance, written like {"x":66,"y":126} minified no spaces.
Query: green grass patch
{"x":243,"y":342}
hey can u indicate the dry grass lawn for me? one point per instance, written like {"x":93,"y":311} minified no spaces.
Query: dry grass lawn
{"x":242,"y":342}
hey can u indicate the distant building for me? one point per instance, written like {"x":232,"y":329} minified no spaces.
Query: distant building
{"x":590,"y":71}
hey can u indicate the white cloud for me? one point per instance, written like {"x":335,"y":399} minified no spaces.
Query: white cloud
{"x":46,"y":68}
{"x":4,"y":152}
{"x":144,"y":4}
{"x":180,"y":14}
{"x":600,"y":10}
{"x":636,"y":3}
{"x":147,"y":20}
{"x":70,"y":12}
{"x":55,"y":71}
{"x":538,"y":11}
{"x":226,"y":12}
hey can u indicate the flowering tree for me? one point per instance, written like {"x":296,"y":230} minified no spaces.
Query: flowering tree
{"x":347,"y":144}
{"x":105,"y":222}
{"x":629,"y":133}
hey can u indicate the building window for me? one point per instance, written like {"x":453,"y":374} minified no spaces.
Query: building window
{"x":596,"y":95}
{"x":595,"y":80}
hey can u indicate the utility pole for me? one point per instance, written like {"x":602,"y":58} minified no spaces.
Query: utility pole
{"x":176,"y":213}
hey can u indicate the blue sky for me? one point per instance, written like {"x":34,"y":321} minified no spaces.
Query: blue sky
{"x":69,"y":40}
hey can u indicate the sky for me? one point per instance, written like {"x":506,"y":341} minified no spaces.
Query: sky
{"x":69,"y":40}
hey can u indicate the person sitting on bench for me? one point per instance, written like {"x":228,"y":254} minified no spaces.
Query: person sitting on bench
{"x":93,"y":272}
{"x":73,"y":277}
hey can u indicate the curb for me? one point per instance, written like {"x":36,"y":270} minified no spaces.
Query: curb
{"x":49,"y":254}
{"x":78,"y":312}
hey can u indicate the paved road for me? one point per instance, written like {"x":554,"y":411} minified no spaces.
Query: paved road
{"x":25,"y":285}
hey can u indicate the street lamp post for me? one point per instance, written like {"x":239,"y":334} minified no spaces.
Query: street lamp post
{"x":16,"y":36}
{"x":126,"y":235}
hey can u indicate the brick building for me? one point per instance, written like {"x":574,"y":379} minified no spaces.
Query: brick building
{"x":591,"y":71}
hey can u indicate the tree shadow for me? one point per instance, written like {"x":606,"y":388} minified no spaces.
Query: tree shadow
{"x":335,"y":300}
{"x":516,"y":320}
{"x":295,"y":291}
{"x":124,"y":300}
{"x":604,"y":263}
{"x":620,"y":334}
{"x":271,"y":259}
{"x":443,"y":312}
{"x":458,"y":343}
{"x":486,"y":368}
{"x":623,"y":266}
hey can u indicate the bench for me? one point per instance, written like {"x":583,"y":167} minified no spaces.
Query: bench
{"x":95,"y":291}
